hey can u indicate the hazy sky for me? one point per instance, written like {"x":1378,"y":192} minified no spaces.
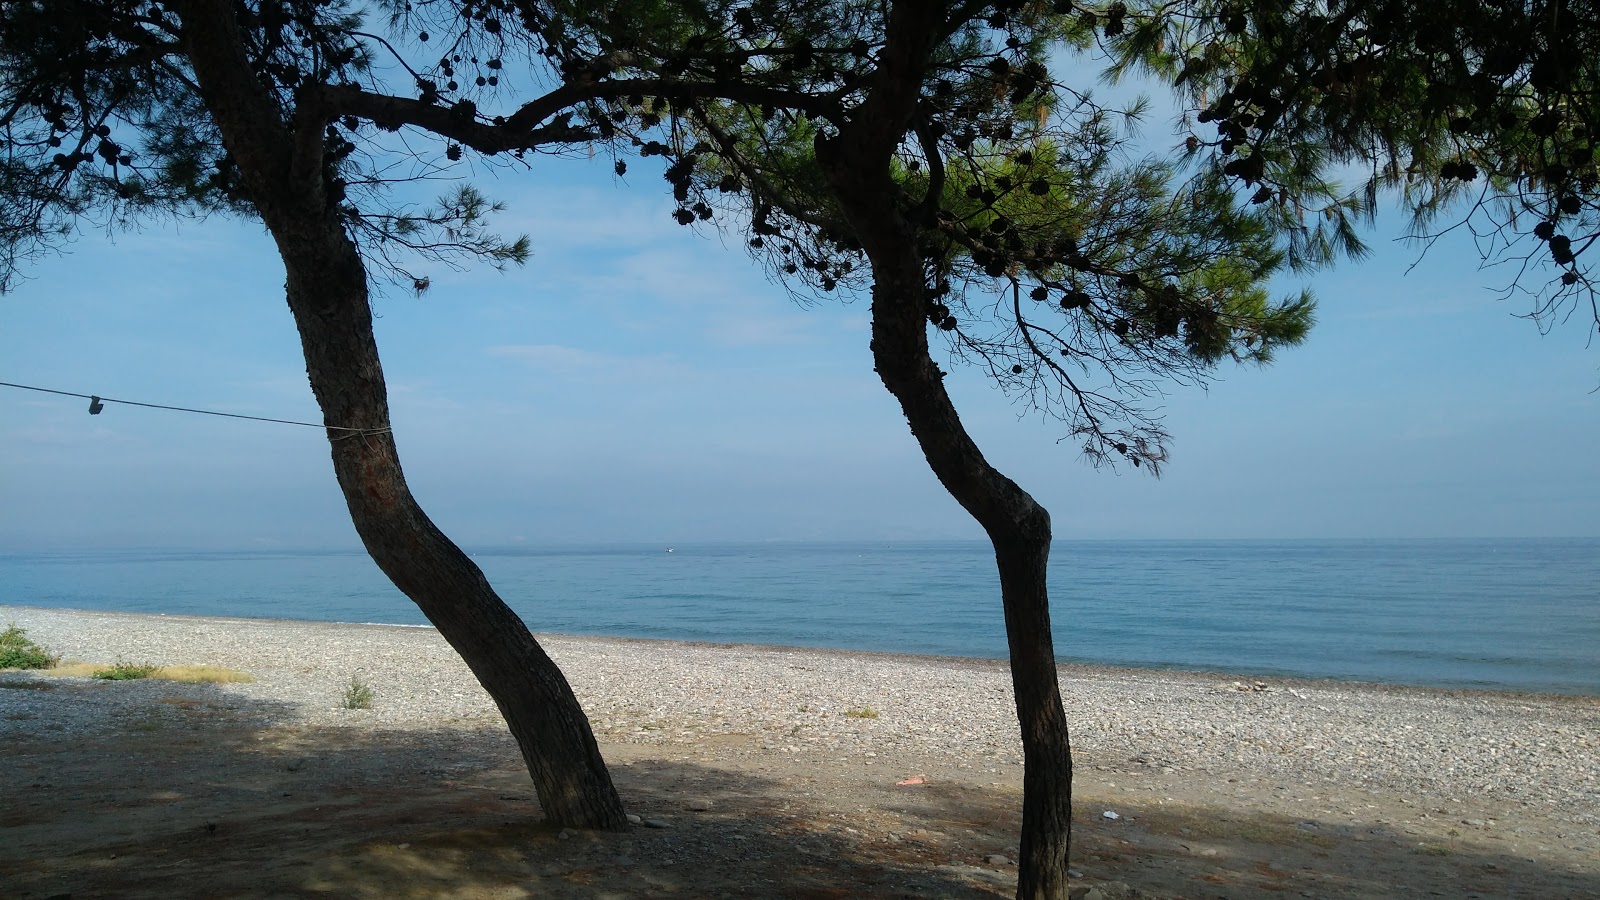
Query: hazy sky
{"x":638,"y":382}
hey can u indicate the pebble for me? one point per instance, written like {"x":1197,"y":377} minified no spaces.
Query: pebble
{"x":657,"y":823}
{"x":699,"y":805}
{"x":1406,"y":742}
{"x":997,"y":860}
{"x":633,"y":819}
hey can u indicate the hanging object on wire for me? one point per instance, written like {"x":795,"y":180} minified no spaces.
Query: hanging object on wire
{"x":97,"y":404}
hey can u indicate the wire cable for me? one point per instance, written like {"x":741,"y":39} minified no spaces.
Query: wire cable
{"x":204,"y":412}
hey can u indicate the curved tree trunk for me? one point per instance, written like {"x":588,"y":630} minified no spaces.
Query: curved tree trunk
{"x":856,"y":164}
{"x":1019,"y":529}
{"x":327,"y":293}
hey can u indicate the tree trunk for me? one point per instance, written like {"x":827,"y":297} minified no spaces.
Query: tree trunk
{"x":327,"y":293}
{"x":856,"y":164}
{"x":1018,"y":526}
{"x":1047,"y":753}
{"x":1019,"y":529}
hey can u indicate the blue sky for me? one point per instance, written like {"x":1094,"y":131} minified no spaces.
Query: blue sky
{"x":639,"y":382}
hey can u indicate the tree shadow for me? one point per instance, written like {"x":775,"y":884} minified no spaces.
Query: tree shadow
{"x":194,"y":790}
{"x":1212,"y":852}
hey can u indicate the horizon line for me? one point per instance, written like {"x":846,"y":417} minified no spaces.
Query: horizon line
{"x":492,"y":548}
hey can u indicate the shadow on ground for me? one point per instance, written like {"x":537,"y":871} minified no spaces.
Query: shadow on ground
{"x":1191,"y":851}
{"x":189,"y":795}
{"x":197,"y":793}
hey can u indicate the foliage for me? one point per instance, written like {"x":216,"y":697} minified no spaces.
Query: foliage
{"x":357,"y":694}
{"x":126,"y":671}
{"x":1476,"y":116}
{"x":1023,"y":185}
{"x":17,"y":651}
{"x":1074,"y":273}
{"x":861,"y":712}
{"x":102,"y":124}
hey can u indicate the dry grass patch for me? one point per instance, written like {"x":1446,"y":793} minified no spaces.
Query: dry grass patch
{"x":191,"y":674}
{"x":74,"y":668}
{"x":206,"y":674}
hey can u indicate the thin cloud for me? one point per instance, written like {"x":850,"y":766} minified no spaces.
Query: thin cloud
{"x":615,"y":249}
{"x":577,"y":364}
{"x":1414,"y":307}
{"x":61,"y":436}
{"x":722,"y":293}
{"x":759,"y":332}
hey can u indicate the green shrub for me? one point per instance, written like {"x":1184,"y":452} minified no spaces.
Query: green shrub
{"x":17,"y":652}
{"x":125,"y":671}
{"x":861,"y":712}
{"x":358,"y":695}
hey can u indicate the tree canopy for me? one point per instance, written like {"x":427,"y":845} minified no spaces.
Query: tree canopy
{"x":1474,"y":116}
{"x":105,"y":124}
{"x":1120,"y":271}
{"x":1076,"y":272}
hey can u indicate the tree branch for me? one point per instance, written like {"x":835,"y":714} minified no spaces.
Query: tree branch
{"x":526,"y":128}
{"x":245,"y":111}
{"x":933,"y":199}
{"x":768,"y":191}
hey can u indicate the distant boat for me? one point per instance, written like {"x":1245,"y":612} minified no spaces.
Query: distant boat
{"x":669,"y":549}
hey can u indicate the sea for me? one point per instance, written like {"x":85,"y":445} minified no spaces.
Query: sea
{"x":1519,"y":615}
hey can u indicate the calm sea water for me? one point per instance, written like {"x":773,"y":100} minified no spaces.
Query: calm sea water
{"x":1504,"y":614}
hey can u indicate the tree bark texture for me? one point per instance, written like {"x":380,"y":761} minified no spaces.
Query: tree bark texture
{"x":328,"y":295}
{"x":856,"y":163}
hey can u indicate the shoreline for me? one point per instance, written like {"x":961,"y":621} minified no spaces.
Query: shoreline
{"x":1066,"y":667}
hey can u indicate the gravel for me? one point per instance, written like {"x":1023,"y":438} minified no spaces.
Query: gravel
{"x":1535,"y":750}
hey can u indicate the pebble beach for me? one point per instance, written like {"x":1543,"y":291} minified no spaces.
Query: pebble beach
{"x":1469,"y":754}
{"x":1513,"y":748}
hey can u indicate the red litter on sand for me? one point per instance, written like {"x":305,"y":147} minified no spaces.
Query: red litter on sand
{"x":915,"y":779}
